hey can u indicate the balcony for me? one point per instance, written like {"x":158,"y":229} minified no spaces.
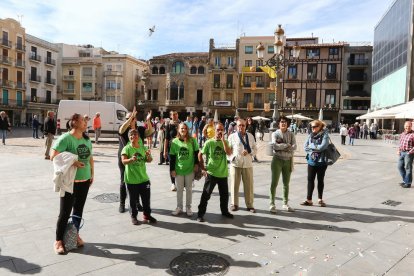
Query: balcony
{"x":88,"y":77}
{"x":6,"y":60}
{"x":70,"y":91}
{"x":50,"y":61}
{"x":12,"y":103}
{"x":311,"y":76}
{"x":111,"y":73}
{"x":198,"y":103}
{"x":356,"y":93}
{"x":174,"y":102}
{"x":35,"y":57}
{"x":20,"y":47}
{"x":20,"y":63}
{"x":20,"y":85}
{"x":358,"y":62}
{"x":68,"y":77}
{"x":50,"y":81}
{"x":41,"y":100}
{"x":150,"y":102}
{"x":6,"y":43}
{"x":35,"y":78}
{"x":357,"y":77}
{"x":7,"y":83}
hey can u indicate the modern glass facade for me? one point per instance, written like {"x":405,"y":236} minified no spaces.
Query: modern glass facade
{"x":392,"y":53}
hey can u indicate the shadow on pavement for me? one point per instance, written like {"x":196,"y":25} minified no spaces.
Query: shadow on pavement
{"x":18,"y":265}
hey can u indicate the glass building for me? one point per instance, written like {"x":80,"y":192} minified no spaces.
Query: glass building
{"x":393,"y":56}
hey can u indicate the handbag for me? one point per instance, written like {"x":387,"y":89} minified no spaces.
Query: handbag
{"x":331,"y":153}
{"x":70,"y":236}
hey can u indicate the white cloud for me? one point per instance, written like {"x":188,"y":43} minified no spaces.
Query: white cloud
{"x":183,"y":26}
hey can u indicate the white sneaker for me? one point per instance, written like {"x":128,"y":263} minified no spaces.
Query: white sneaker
{"x":272,"y":209}
{"x":189,"y":212}
{"x":288,"y":208}
{"x":173,"y":188}
{"x":177,"y":211}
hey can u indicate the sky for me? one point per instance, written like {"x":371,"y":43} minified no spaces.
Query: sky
{"x":188,"y":25}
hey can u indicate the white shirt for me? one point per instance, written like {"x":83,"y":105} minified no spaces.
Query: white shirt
{"x":237,"y":159}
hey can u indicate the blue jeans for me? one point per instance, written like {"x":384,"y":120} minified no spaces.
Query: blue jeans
{"x":405,"y":166}
{"x":35,"y":132}
{"x":3,"y":135}
{"x":351,"y":140}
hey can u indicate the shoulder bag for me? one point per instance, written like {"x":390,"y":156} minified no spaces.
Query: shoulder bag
{"x":332,"y":154}
{"x":70,"y":237}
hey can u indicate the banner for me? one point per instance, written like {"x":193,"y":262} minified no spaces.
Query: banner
{"x":266,"y":107}
{"x":250,"y":106}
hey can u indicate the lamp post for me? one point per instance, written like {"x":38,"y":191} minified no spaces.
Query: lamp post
{"x":277,"y":64}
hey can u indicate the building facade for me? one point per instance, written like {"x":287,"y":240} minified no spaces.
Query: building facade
{"x":177,"y":81}
{"x":41,"y":77}
{"x":12,"y":71}
{"x":393,"y":56}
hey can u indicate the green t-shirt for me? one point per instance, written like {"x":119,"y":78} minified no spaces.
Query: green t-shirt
{"x":216,"y":158}
{"x":135,"y":172}
{"x":184,"y":152}
{"x":81,"y":147}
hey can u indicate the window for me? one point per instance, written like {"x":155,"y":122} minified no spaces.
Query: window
{"x":5,"y":97}
{"x":201,"y":70}
{"x":87,"y":71}
{"x":155,"y":70}
{"x":33,"y":95}
{"x":248,"y":49}
{"x":270,"y":49}
{"x":291,"y":97}
{"x":162,"y":70}
{"x":248,"y":63}
{"x":259,"y":81}
{"x":71,"y":86}
{"x":109,"y":67}
{"x":19,"y":98}
{"x":199,"y":96}
{"x":247,"y":80}
{"x":193,"y":70}
{"x":312,"y":53}
{"x":330,"y":96}
{"x":258,"y":100}
{"x":216,"y":81}
{"x":229,"y":81}
{"x":70,"y":72}
{"x":312,"y":71}
{"x":48,"y":96}
{"x":292,"y":72}
{"x":246,"y":98}
{"x":154,"y":94}
{"x":87,"y":87}
{"x":217,"y":61}
{"x":178,"y":67}
{"x":111,"y":85}
{"x":311,"y":98}
{"x":259,"y":62}
{"x":333,"y":51}
{"x":331,"y":71}
{"x":230,"y":61}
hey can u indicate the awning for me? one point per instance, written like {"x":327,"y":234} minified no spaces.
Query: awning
{"x":389,"y":113}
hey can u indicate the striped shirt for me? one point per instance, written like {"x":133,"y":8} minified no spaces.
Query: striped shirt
{"x":407,"y":142}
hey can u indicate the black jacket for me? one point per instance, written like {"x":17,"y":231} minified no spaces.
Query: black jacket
{"x":50,"y":126}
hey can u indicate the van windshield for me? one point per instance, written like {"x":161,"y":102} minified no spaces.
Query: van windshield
{"x":120,"y":114}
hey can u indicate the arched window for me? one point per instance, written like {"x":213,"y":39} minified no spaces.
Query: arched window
{"x":178,"y":67}
{"x":193,"y":70}
{"x":162,"y":70}
{"x":155,"y":70}
{"x":201,"y":70}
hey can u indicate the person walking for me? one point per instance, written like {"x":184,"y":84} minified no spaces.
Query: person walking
{"x":76,"y":142}
{"x":134,"y":156}
{"x":201,"y":126}
{"x":161,"y":137}
{"x":284,"y":144}
{"x":215,"y":173}
{"x":343,"y":131}
{"x":251,"y":127}
{"x":170,"y":133}
{"x":4,"y":126}
{"x":50,"y":131}
{"x":157,"y":126}
{"x":243,"y":148}
{"x":183,"y":163}
{"x":406,"y":155}
{"x":352,"y":132}
{"x":315,"y":146}
{"x":35,"y":127}
{"x":97,"y":125}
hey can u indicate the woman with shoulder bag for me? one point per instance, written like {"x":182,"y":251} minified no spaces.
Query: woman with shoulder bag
{"x":77,"y":142}
{"x":183,"y":163}
{"x":315,"y":146}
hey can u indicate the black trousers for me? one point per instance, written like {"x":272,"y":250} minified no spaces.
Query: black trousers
{"x":343,"y":137}
{"x":314,"y":171}
{"x":209,"y":184}
{"x":75,"y":201}
{"x":135,"y":191}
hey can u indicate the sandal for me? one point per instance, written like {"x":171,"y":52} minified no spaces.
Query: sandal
{"x":307,"y":203}
{"x":322,"y":203}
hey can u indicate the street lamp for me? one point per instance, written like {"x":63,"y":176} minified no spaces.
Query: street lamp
{"x":277,"y":64}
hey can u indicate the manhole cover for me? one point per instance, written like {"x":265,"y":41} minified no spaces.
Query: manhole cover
{"x":199,"y":264}
{"x":107,"y":198}
{"x":391,"y":202}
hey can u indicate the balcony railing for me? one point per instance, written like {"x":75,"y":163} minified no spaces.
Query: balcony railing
{"x":50,"y":81}
{"x":69,"y":91}
{"x":6,"y":60}
{"x":312,"y":76}
{"x":68,"y":77}
{"x":20,"y":85}
{"x":20,"y":47}
{"x":7,"y":83}
{"x":50,"y":61}
{"x":6,"y":43}
{"x":198,"y":103}
{"x":8,"y":102}
{"x":150,"y":102}
{"x":359,"y":61}
{"x":113,"y":73}
{"x":330,"y":76}
{"x":42,"y":100}
{"x":360,"y":77}
{"x":35,"y":57}
{"x":20,"y":63}
{"x":35,"y":78}
{"x":174,"y":102}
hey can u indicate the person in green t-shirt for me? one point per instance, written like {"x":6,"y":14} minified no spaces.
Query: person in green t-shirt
{"x":75,"y":141}
{"x":183,"y":163}
{"x":216,"y":172}
{"x":134,"y":156}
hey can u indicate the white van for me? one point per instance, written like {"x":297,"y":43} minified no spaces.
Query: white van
{"x":112,"y":115}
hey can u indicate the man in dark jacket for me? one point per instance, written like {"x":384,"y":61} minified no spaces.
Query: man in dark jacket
{"x":49,"y":131}
{"x":4,"y":126}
